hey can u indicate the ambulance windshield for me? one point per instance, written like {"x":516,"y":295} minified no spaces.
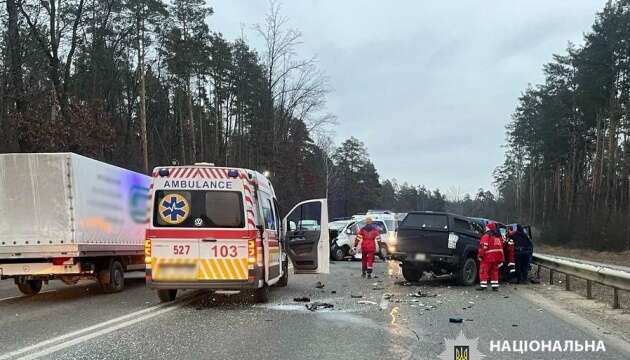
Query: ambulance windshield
{"x":198,"y":209}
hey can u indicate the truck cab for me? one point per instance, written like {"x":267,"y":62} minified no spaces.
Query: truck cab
{"x":219,"y":228}
{"x":437,"y":242}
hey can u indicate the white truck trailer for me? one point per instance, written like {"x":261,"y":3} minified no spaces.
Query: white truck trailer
{"x":68,"y":217}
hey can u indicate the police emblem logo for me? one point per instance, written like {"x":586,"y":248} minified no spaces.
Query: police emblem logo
{"x":461,"y":352}
{"x":174,"y":209}
{"x":461,"y":348}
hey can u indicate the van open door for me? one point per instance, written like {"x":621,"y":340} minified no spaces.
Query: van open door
{"x":306,"y":237}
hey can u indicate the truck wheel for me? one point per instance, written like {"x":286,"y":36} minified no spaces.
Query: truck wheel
{"x":467,"y":275}
{"x":167,"y":295}
{"x":30,"y":287}
{"x":112,"y":279}
{"x":284,"y":280}
{"x":410,"y":273}
{"x":338,"y":253}
{"x":261,"y":295}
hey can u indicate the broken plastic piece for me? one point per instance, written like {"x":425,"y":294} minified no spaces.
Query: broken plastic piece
{"x":319,"y":305}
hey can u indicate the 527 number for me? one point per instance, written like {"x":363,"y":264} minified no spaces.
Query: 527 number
{"x":224,"y":251}
{"x":181,"y":249}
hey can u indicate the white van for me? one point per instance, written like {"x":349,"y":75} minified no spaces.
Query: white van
{"x":342,"y":246}
{"x":219,"y":228}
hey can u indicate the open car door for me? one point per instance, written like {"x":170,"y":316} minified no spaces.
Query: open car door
{"x":306,"y":237}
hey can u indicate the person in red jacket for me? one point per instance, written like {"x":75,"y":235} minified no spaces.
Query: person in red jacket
{"x":367,"y":236}
{"x":490,"y":257}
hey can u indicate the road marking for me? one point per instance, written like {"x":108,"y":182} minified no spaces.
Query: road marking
{"x":25,"y":296}
{"x":105,"y":328}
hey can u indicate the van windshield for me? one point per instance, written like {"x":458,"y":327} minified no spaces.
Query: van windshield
{"x":199,"y":209}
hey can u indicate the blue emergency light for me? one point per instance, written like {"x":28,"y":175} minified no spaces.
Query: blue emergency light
{"x":163,"y":172}
{"x":233,"y":173}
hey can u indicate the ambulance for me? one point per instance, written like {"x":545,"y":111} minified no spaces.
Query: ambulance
{"x":219,"y":228}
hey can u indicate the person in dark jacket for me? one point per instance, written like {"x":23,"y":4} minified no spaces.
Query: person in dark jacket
{"x":523,"y":249}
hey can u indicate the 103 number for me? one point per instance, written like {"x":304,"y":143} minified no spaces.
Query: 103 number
{"x":224,"y":251}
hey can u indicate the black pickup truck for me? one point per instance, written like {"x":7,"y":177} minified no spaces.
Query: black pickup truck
{"x":438,"y":242}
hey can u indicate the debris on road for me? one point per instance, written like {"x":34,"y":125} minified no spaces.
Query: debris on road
{"x":319,"y":285}
{"x":387,"y":296}
{"x":421,"y":294}
{"x":514,"y":325}
{"x":455,"y":320}
{"x":302,"y":299}
{"x":378,"y":288}
{"x":367,"y":302}
{"x":333,"y":292}
{"x":356,"y":296}
{"x":317,"y":305}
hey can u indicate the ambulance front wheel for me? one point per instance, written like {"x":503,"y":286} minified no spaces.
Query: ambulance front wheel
{"x":261,"y":295}
{"x":167,"y":295}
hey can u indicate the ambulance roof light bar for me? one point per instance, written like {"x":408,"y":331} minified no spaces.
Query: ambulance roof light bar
{"x":204,"y":164}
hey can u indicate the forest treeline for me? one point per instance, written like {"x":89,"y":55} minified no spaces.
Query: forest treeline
{"x":567,"y":165}
{"x":140,"y":83}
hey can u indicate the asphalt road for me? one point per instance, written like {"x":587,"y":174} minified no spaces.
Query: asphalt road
{"x":80,"y":322}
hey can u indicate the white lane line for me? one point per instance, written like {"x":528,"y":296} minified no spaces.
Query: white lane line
{"x":25,"y":296}
{"x":157,"y":308}
{"x":101,"y":332}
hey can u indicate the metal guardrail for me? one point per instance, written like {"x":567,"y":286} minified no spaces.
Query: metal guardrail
{"x":592,"y":273}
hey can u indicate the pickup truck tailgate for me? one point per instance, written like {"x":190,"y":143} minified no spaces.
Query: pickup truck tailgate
{"x":415,"y":241}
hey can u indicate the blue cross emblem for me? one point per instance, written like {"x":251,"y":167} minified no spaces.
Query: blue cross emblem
{"x":173,"y":208}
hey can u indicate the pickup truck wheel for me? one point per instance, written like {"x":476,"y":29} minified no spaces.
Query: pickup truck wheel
{"x":30,"y":287}
{"x":467,"y":275}
{"x":284,"y":280}
{"x":167,"y":295}
{"x":410,"y":273}
{"x":261,"y":295}
{"x":112,"y":279}
{"x":338,"y":253}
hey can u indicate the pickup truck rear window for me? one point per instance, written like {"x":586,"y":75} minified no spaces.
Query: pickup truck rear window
{"x":198,"y":209}
{"x":425,"y":221}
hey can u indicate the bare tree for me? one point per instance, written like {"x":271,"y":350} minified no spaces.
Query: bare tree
{"x":60,"y":16}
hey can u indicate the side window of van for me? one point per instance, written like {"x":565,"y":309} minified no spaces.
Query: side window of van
{"x":270,"y":219}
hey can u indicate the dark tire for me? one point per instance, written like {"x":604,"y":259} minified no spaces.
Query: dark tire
{"x":261,"y":295}
{"x":112,"y":279}
{"x":30,"y":287}
{"x":467,"y":274}
{"x":284,"y":280}
{"x":167,"y":295}
{"x":338,"y":253}
{"x":411,"y":273}
{"x":382,"y":252}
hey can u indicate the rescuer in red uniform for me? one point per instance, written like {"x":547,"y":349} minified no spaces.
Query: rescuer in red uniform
{"x":367,"y":236}
{"x":490,"y":257}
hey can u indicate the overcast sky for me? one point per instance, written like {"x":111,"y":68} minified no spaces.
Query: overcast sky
{"x":427,"y":85}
